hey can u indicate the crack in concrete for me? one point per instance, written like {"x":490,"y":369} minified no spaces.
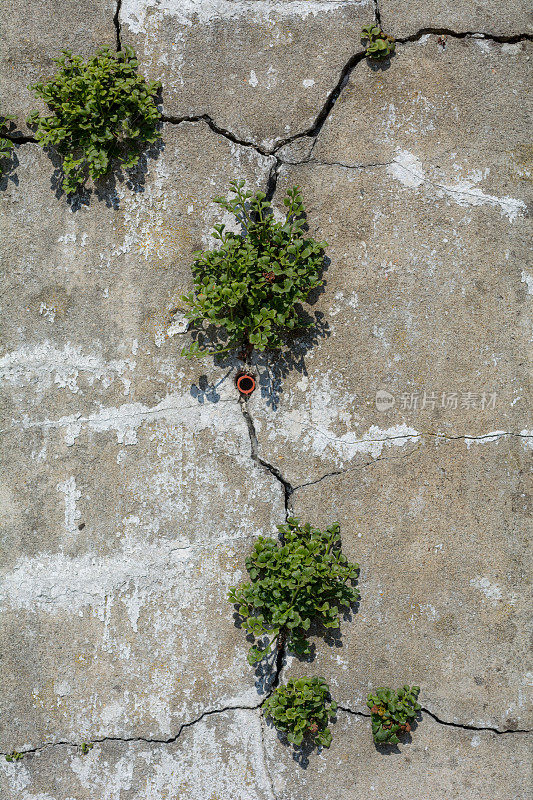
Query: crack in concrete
{"x":148,"y":740}
{"x":116,"y":23}
{"x":218,"y":129}
{"x":415,"y":37}
{"x":448,"y":724}
{"x":265,"y":758}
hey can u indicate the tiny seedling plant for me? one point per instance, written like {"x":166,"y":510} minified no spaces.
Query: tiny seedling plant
{"x":250,"y":287}
{"x":301,"y":709}
{"x":306,"y":577}
{"x":392,"y":712}
{"x":6,"y":145}
{"x":14,"y":756}
{"x":378,"y":44}
{"x":101,"y":110}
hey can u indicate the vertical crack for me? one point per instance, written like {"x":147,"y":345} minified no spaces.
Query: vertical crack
{"x":116,"y":23}
{"x":265,"y":758}
{"x":377,"y":12}
{"x":272,"y":183}
{"x":288,"y":489}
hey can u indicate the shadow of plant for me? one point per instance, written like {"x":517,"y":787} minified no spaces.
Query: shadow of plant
{"x":106,"y":189}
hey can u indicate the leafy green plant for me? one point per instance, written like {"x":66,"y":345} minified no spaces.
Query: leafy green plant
{"x":249,"y":287}
{"x":102,"y":110}
{"x":301,"y":708}
{"x":85,"y":747}
{"x":305,"y":577}
{"x":6,"y":145}
{"x":14,"y":756}
{"x":379,"y":44}
{"x":392,"y":712}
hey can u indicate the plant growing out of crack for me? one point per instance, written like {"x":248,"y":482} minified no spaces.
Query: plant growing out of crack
{"x":392,"y":712}
{"x":14,"y":756}
{"x":302,"y":709}
{"x":86,"y":747}
{"x":249,"y":288}
{"x":102,"y":111}
{"x":378,"y":44}
{"x":303,"y":578}
{"x":6,"y":145}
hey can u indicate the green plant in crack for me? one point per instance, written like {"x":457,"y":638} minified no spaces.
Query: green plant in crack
{"x":86,"y":747}
{"x":250,"y":287}
{"x":14,"y":756}
{"x":379,"y":45}
{"x":101,"y":110}
{"x":304,"y":577}
{"x":6,"y":145}
{"x":392,"y":712}
{"x":302,"y":709}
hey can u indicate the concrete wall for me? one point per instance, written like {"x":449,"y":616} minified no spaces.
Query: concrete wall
{"x":134,"y":482}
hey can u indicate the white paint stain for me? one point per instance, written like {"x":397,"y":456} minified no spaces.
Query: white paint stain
{"x":252,"y":80}
{"x":407,"y":168}
{"x":137,"y":13}
{"x":72,"y":495}
{"x":528,"y":280}
{"x":43,"y":365}
{"x":492,"y":591}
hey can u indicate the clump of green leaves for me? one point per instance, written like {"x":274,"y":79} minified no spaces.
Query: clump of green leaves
{"x":250,"y":286}
{"x":301,"y":708}
{"x":6,"y":145}
{"x":392,"y":712}
{"x":379,"y":45}
{"x":14,"y":756}
{"x":305,"y":577}
{"x":102,"y":109}
{"x":85,"y":747}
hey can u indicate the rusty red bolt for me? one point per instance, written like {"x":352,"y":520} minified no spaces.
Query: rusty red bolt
{"x":245,"y":383}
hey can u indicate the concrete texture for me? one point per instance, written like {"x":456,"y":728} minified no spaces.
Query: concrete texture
{"x":31,"y":38}
{"x":134,"y":482}
{"x":260,"y":69}
{"x":502,"y":18}
{"x":444,"y":592}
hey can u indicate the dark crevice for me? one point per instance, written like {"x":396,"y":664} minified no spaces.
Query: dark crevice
{"x":287,"y":488}
{"x":377,"y":13}
{"x":272,"y":182}
{"x":415,"y":37}
{"x":433,"y":716}
{"x":314,"y":129}
{"x":148,"y":740}
{"x":116,"y":23}
{"x":471,"y":727}
{"x":217,"y":129}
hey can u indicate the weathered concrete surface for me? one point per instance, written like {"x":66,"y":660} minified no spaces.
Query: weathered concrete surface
{"x":440,"y":762}
{"x":220,"y":757}
{"x":404,"y":18}
{"x":260,"y":69}
{"x":31,"y":39}
{"x":130,"y":494}
{"x":441,"y":536}
{"x":428,"y":289}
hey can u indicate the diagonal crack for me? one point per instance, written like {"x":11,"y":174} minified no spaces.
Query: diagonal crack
{"x":148,"y":740}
